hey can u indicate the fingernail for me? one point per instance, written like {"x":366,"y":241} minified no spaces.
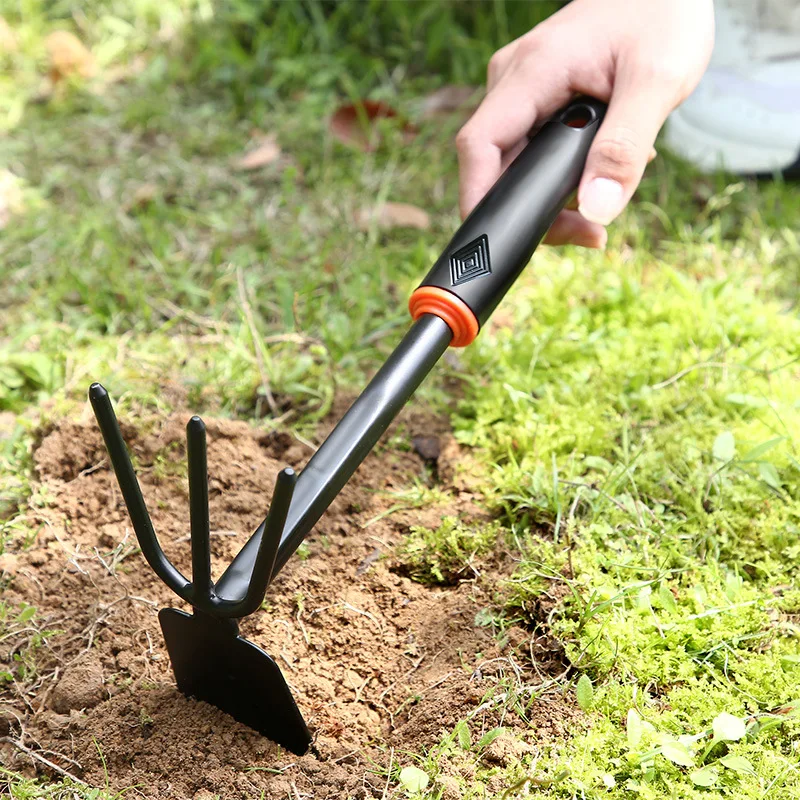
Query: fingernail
{"x":601,"y":200}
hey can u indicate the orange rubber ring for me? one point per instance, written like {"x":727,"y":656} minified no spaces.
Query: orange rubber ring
{"x":445,"y":305}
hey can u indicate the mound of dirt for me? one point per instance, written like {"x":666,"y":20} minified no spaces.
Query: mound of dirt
{"x":377,"y":663}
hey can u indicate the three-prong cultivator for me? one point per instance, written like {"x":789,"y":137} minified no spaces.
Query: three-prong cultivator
{"x":210,"y":660}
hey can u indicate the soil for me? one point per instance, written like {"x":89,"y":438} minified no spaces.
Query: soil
{"x":378,"y":664}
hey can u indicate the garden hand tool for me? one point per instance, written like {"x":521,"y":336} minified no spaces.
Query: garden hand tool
{"x":486,"y":255}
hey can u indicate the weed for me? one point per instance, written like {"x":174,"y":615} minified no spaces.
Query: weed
{"x":20,"y":643}
{"x":15,"y":475}
{"x":19,"y":787}
{"x":447,"y":554}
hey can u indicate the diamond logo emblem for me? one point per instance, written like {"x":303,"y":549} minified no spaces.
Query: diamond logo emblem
{"x":470,"y":262}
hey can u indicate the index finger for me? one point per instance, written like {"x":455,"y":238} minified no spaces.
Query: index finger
{"x":524,"y":94}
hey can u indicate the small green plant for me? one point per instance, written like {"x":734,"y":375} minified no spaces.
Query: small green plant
{"x":19,"y":787}
{"x":144,"y":718}
{"x":752,"y":463}
{"x":22,"y":640}
{"x":24,"y":377}
{"x":706,"y":754}
{"x":447,"y":554}
{"x":413,"y":780}
{"x":16,"y":470}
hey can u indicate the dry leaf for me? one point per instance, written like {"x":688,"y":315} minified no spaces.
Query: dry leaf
{"x":449,"y":98}
{"x":393,"y":215}
{"x":8,"y":39}
{"x":68,"y":56}
{"x":143,"y":195}
{"x":355,"y":125}
{"x":266,"y":152}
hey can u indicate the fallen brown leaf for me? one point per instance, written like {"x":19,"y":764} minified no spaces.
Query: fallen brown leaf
{"x":449,"y":98}
{"x":266,"y":152}
{"x":143,"y":195}
{"x":392,"y":215}
{"x":68,"y":56}
{"x":355,"y":125}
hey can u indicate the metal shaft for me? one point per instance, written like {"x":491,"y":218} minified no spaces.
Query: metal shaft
{"x":347,"y":446}
{"x":197,"y":458}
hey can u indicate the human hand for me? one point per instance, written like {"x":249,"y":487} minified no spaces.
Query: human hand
{"x":642,"y":58}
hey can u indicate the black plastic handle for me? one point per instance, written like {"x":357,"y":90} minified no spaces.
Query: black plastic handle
{"x":497,"y":239}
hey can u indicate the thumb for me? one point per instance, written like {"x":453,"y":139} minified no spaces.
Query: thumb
{"x":619,"y":154}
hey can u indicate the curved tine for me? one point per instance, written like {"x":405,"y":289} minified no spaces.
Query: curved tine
{"x":198,"y":508}
{"x":270,"y":541}
{"x":132,"y":494}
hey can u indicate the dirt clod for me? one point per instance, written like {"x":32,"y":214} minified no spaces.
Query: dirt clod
{"x":427,"y":447}
{"x":8,"y":563}
{"x":505,"y":750}
{"x":80,"y":687}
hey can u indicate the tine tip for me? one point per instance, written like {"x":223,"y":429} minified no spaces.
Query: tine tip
{"x":195,"y":424}
{"x":97,"y":391}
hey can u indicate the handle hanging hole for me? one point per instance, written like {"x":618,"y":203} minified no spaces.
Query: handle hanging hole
{"x":578,"y":116}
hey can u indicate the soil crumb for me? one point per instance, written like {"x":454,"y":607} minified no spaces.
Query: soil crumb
{"x":378,"y":664}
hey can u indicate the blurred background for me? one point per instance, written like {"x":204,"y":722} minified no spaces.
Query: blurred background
{"x":163,"y":158}
{"x":267,"y":49}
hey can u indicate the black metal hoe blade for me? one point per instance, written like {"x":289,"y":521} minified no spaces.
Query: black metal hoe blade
{"x":214,"y":664}
{"x":210,"y":660}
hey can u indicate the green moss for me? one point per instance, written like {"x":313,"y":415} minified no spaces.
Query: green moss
{"x":447,"y":554}
{"x":641,"y":438}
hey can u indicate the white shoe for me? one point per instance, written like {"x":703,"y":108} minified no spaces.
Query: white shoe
{"x":744,"y":115}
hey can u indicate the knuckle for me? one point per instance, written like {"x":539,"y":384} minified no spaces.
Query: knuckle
{"x":465,"y":139}
{"x":542,"y":37}
{"x":618,"y":150}
{"x":496,"y":65}
{"x":529,"y":45}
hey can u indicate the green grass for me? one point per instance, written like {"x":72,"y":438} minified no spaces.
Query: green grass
{"x":21,"y":788}
{"x":635,"y":411}
{"x":648,"y":422}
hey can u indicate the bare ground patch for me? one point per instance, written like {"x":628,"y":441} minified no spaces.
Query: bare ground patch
{"x":376,"y":661}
